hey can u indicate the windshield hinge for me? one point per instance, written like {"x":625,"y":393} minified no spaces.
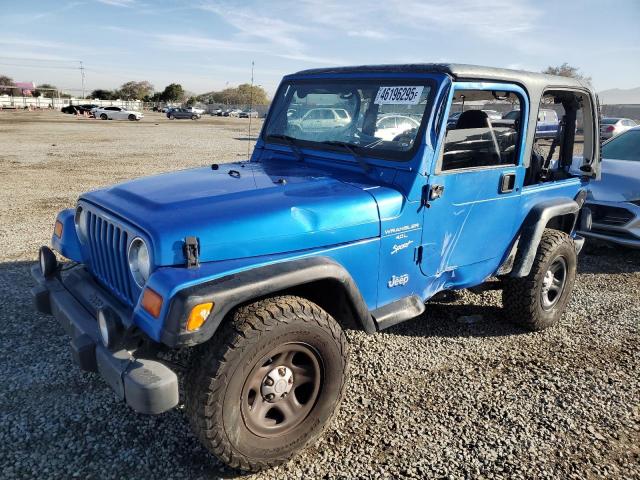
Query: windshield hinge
{"x":191,"y":251}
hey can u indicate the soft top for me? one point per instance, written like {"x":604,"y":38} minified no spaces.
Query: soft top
{"x":530,"y":80}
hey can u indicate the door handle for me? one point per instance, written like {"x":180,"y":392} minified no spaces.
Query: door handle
{"x":507,"y":182}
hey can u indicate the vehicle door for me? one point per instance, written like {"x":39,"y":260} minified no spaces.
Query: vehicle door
{"x":113,"y":112}
{"x":473,"y":191}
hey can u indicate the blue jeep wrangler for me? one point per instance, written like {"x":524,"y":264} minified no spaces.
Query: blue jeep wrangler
{"x":358,"y":205}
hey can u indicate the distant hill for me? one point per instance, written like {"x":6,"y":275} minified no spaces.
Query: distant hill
{"x":619,"y":96}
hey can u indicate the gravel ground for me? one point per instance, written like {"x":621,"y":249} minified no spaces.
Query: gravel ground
{"x":458,"y":393}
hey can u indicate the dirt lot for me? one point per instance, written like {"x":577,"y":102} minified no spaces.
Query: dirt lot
{"x":443,"y":396}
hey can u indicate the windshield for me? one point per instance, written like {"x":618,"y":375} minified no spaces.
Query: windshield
{"x":377,"y":117}
{"x":623,"y":147}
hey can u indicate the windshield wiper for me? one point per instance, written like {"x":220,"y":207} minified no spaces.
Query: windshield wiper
{"x":351,"y":148}
{"x":291,"y":142}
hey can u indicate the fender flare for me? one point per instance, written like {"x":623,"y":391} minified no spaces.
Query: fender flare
{"x":533,"y":227}
{"x":232,"y":290}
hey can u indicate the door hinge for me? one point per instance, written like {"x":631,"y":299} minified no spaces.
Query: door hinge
{"x":418,"y":254}
{"x":191,"y":252}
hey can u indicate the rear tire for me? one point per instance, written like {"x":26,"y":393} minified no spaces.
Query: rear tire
{"x":538,"y":300}
{"x":103,"y":116}
{"x":233,"y":404}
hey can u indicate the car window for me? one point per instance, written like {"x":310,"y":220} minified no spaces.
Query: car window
{"x":388,"y":122}
{"x":342,"y":113}
{"x":477,"y":141}
{"x":512,"y":115}
{"x":609,"y":121}
{"x":350,"y":111}
{"x":623,"y":147}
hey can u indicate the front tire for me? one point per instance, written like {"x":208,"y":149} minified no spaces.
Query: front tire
{"x":268,"y":383}
{"x":538,"y":300}
{"x":132,"y":118}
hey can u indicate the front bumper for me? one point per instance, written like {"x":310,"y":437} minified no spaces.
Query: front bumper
{"x":146,"y":385}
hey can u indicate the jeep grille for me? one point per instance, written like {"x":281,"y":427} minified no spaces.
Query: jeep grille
{"x":108,"y":244}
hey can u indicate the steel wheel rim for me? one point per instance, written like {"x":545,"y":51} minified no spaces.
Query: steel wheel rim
{"x":553,"y":283}
{"x":281,"y":390}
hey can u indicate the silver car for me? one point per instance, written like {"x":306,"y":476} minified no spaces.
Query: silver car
{"x":614,"y":201}
{"x":610,"y":127}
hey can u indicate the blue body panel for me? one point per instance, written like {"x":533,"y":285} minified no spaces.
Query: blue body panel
{"x":69,"y":245}
{"x":275,"y":208}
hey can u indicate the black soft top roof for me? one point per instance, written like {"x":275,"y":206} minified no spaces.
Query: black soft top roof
{"x":530,"y":80}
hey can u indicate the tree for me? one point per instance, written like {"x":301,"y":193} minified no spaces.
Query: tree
{"x":7,"y":81}
{"x":173,"y":93}
{"x":135,"y":90}
{"x":191,"y":101}
{"x":566,"y":70}
{"x":241,"y":95}
{"x":102,"y":94}
{"x":46,"y":90}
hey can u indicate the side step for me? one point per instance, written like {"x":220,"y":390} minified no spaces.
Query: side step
{"x":397,"y":312}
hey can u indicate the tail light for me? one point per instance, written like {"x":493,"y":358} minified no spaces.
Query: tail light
{"x":610,"y":128}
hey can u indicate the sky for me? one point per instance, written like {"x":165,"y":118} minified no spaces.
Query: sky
{"x":206,"y":45}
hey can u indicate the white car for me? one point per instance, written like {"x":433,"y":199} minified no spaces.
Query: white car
{"x":319,"y":119}
{"x":116,"y":113}
{"x":390,"y":126}
{"x":199,"y":111}
{"x":610,"y":127}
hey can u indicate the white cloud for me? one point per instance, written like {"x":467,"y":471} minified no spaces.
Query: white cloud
{"x":118,"y":3}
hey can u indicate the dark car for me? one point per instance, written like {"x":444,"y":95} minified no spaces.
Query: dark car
{"x":81,"y":109}
{"x":180,"y":113}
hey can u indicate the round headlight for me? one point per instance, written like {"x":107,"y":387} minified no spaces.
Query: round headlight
{"x":139,"y":261}
{"x":81,"y":219}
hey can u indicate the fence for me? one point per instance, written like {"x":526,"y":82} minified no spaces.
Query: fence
{"x":625,"y":111}
{"x":9,"y":101}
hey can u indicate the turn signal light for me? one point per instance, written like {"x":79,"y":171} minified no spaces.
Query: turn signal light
{"x":152,"y":302}
{"x":57,"y":230}
{"x":198,"y":316}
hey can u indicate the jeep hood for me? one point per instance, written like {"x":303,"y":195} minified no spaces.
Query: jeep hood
{"x":242,"y":210}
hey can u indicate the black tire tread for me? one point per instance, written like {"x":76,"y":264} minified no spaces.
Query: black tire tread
{"x":519,"y":295}
{"x":204,"y":386}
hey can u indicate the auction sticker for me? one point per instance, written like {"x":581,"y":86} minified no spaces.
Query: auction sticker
{"x":399,"y":95}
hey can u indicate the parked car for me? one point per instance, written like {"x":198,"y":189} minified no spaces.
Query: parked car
{"x":117,"y":113}
{"x":321,"y":119}
{"x":217,"y":112}
{"x":614,"y":201}
{"x":491,"y":114}
{"x":610,"y":127}
{"x":258,"y":267}
{"x":390,"y":126}
{"x":167,"y":108}
{"x":232,"y":112}
{"x":181,"y":113}
{"x":248,"y":113}
{"x":199,"y":111}
{"x":81,"y":109}
{"x":547,"y":122}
